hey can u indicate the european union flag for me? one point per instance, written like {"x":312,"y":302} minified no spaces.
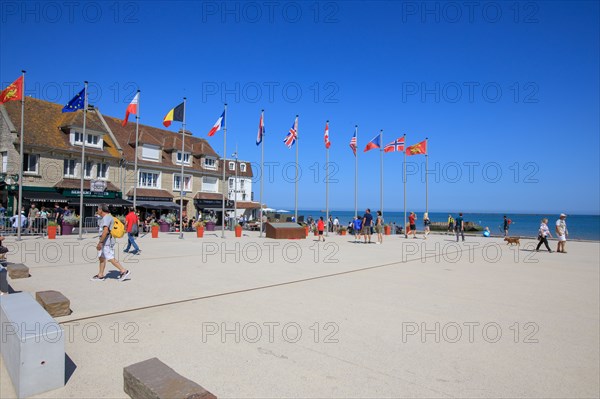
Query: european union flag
{"x":78,"y":102}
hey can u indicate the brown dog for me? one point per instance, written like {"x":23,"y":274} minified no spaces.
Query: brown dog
{"x":512,"y":240}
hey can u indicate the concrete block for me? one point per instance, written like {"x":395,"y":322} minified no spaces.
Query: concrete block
{"x":152,"y":379}
{"x":55,"y":303}
{"x":33,"y":345}
{"x":18,"y":270}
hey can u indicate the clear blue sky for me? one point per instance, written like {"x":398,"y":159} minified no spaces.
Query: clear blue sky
{"x":395,"y":66}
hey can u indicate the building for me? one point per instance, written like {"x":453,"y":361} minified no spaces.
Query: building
{"x":241,"y":193}
{"x":52,"y":163}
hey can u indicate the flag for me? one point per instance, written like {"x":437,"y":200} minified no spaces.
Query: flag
{"x":353,"y":143}
{"x":327,"y":142}
{"x":396,"y":145}
{"x":13,"y":92}
{"x":292,"y":136}
{"x":416,"y":149}
{"x":375,"y":143}
{"x":217,"y":126}
{"x":77,"y":102}
{"x":176,"y":114}
{"x":261,"y":130}
{"x":132,"y":108}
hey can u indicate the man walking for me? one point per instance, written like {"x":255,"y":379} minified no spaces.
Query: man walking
{"x":506,"y":226}
{"x":132,"y":228}
{"x":460,"y":227}
{"x":106,"y":246}
{"x":367,"y":224}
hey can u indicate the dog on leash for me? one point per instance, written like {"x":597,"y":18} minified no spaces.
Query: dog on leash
{"x":512,"y":240}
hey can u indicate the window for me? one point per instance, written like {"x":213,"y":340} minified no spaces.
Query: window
{"x":4,"y":161}
{"x":187,"y":182}
{"x":242,"y":167}
{"x":149,"y":179}
{"x":69,"y":168}
{"x":209,"y":184}
{"x":210,"y":163}
{"x":244,"y":197}
{"x":102,"y":171}
{"x":242,"y":184}
{"x":186,"y":158}
{"x":231,"y":165}
{"x":150,"y":152}
{"x":231,"y":183}
{"x":30,"y":163}
{"x":91,"y":140}
{"x":88,"y":170}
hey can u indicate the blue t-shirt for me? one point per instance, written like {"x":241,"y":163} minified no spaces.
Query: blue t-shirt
{"x":357,"y":224}
{"x":368,"y":219}
{"x":458,"y":222}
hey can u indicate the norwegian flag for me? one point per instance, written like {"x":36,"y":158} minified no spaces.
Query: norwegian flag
{"x":396,"y":145}
{"x":327,"y":142}
{"x":353,"y":143}
{"x":292,"y":136}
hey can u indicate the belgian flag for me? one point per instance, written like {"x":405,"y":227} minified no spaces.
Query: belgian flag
{"x":176,"y":114}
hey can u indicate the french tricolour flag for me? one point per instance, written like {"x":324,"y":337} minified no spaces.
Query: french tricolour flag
{"x":217,"y":126}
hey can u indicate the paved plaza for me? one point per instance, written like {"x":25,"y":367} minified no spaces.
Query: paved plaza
{"x":259,"y":318}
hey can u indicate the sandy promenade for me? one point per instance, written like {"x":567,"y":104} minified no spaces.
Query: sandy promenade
{"x":255,"y":317}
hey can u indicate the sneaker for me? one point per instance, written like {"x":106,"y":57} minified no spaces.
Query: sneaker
{"x":126,"y":251}
{"x":139,"y":251}
{"x":124,"y":276}
{"x":97,"y":278}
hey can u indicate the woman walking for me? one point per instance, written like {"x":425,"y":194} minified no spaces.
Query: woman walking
{"x":543,"y":235}
{"x":379,"y":228}
{"x":320,"y":228}
{"x":426,"y":224}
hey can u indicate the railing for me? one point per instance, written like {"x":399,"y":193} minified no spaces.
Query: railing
{"x":39,"y":226}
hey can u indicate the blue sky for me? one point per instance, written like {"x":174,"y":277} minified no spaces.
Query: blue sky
{"x":507,"y":93}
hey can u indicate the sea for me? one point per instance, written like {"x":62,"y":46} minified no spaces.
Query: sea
{"x":581,"y":227}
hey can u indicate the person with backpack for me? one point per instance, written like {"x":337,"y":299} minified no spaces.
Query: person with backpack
{"x":109,"y":229}
{"x":132,"y":229}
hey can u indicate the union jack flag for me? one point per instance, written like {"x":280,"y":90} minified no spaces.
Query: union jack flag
{"x":353,"y":143}
{"x":292,"y":136}
{"x":396,"y":145}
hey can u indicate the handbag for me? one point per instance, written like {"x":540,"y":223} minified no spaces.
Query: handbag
{"x":134,"y":229}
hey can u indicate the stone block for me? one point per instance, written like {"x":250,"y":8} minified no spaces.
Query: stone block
{"x":152,"y":379}
{"x":17,"y":270}
{"x":55,"y":303}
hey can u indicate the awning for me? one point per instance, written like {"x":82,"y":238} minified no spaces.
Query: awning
{"x":43,"y":196}
{"x":100,"y":201}
{"x":157,"y":204}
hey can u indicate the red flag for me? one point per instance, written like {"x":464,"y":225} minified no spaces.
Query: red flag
{"x":132,"y":108}
{"x":396,"y":145}
{"x":416,"y":149}
{"x":13,"y":92}
{"x":327,"y":142}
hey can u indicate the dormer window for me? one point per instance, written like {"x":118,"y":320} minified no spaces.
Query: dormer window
{"x":210,"y":163}
{"x":91,"y":140}
{"x":231,"y":165}
{"x":150,"y":152}
{"x":186,"y":158}
{"x":243,"y":167}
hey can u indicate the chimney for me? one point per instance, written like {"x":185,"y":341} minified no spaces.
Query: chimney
{"x":186,"y":132}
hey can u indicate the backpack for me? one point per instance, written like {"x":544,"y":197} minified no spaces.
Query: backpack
{"x":118,"y":229}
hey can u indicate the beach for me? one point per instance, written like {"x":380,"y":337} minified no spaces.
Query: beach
{"x":255,"y":317}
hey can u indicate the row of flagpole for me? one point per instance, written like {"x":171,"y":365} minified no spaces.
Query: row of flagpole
{"x":80,"y":101}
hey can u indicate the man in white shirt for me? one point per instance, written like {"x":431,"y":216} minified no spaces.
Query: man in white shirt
{"x":561,"y":233}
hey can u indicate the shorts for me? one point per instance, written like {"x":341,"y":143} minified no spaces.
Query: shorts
{"x":107,"y":252}
{"x":413,"y":227}
{"x":562,"y":238}
{"x":378,"y":229}
{"x":366,"y":230}
{"x":320,"y":232}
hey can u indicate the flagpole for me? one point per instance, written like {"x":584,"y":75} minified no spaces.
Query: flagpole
{"x":224,"y":167}
{"x":404,"y":180}
{"x":20,"y":199}
{"x":327,"y":183}
{"x":262,"y":168}
{"x":135,"y":159}
{"x":81,"y":210}
{"x":296,"y":180}
{"x":426,"y":178}
{"x":181,"y":180}
{"x":235,"y":189}
{"x":381,"y":167}
{"x":356,"y":174}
